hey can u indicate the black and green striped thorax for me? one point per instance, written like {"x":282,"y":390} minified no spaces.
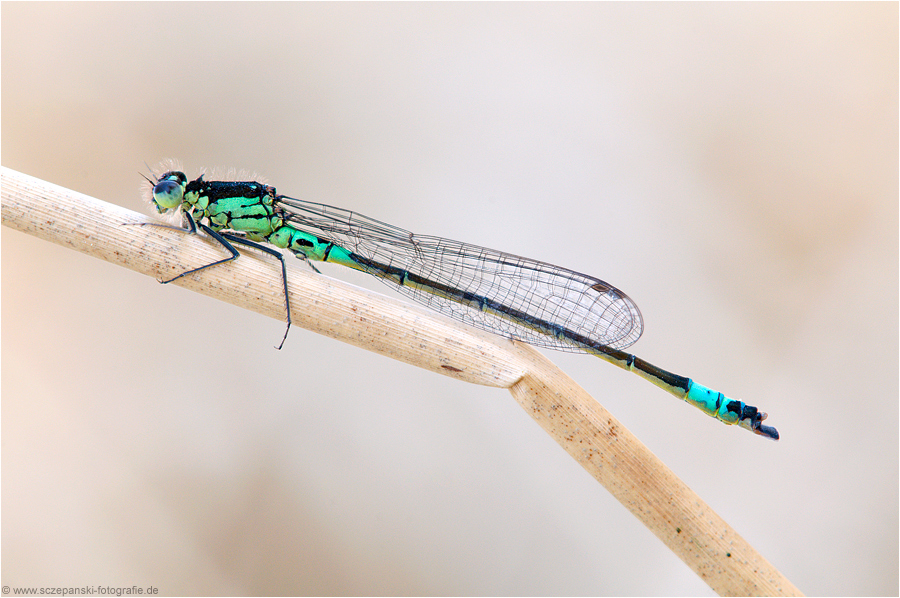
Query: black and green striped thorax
{"x":246,"y":207}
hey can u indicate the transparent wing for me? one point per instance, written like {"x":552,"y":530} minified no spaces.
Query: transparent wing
{"x":568,"y":300}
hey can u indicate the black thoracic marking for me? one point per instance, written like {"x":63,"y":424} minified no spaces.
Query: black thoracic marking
{"x":216,"y":190}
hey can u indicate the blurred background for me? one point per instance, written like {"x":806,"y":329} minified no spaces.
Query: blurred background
{"x":732,"y":167}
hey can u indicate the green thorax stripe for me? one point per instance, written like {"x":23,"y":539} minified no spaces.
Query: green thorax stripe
{"x":247,"y":207}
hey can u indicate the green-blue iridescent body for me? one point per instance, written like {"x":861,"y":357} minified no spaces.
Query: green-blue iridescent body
{"x":527,"y":300}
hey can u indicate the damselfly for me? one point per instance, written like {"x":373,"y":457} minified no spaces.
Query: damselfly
{"x":516,"y":297}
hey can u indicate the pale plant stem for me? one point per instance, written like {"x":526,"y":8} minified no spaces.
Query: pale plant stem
{"x":589,"y":433}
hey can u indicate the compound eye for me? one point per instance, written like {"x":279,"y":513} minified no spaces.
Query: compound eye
{"x":167,"y":194}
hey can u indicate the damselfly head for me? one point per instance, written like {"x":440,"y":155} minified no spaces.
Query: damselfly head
{"x":168,"y":192}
